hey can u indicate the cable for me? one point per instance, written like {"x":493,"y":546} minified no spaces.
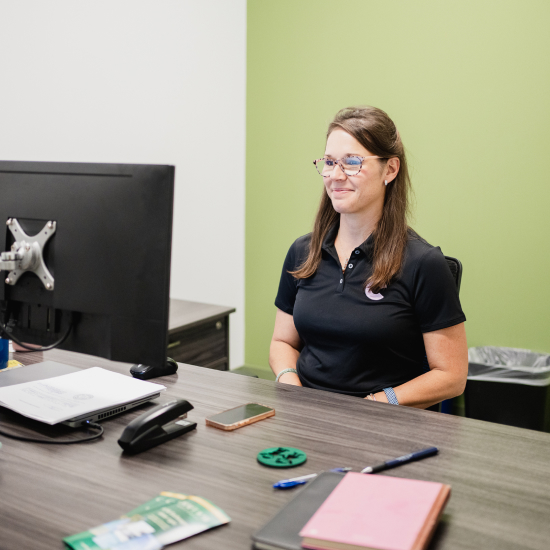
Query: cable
{"x":62,"y":442}
{"x":10,"y":336}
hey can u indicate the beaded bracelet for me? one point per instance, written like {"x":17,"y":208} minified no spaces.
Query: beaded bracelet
{"x":284,"y":372}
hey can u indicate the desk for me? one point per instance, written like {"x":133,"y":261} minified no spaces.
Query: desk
{"x":199,"y":334}
{"x":500,"y":475}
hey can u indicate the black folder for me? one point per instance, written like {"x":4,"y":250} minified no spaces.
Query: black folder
{"x":281,"y":532}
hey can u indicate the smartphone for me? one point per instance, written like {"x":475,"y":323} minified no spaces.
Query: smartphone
{"x":240,"y":416}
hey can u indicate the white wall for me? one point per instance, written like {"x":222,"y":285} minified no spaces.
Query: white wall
{"x":141,"y":81}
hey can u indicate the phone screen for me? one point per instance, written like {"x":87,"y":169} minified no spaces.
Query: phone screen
{"x":240,"y":413}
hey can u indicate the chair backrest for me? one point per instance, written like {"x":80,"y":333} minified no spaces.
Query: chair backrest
{"x":456,"y":269}
{"x":455,"y":266}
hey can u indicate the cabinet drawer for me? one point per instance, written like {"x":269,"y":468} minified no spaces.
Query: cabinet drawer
{"x":204,"y":345}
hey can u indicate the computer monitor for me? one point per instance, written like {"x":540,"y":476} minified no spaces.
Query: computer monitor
{"x":96,"y":256}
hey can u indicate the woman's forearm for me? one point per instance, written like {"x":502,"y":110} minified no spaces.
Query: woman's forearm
{"x":428,"y":389}
{"x":447,"y":353}
{"x":283,"y":356}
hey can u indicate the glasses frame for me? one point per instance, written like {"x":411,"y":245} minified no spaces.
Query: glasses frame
{"x":338,"y":161}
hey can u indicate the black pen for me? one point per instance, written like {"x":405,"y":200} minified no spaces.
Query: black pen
{"x":401,"y":460}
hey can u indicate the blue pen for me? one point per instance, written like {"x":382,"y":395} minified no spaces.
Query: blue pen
{"x":288,"y":483}
{"x":400,"y":460}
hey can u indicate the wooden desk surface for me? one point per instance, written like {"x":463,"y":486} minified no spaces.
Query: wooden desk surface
{"x":500,"y":475}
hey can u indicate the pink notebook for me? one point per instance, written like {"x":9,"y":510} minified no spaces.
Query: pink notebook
{"x":376,"y":512}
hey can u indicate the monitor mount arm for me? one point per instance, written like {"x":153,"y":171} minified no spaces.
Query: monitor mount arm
{"x":27,"y":254}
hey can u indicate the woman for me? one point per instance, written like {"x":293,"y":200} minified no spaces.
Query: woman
{"x":365,"y":306}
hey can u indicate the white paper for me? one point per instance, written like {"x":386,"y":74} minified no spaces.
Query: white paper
{"x":63,"y":397}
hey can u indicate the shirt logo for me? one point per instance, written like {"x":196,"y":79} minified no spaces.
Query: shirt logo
{"x":372,"y":295}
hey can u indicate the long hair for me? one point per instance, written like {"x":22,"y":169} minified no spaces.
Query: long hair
{"x":377,"y":133}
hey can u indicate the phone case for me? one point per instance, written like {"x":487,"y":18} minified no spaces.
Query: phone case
{"x":241,"y":423}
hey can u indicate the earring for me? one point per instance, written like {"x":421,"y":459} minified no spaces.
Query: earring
{"x":385,"y":182}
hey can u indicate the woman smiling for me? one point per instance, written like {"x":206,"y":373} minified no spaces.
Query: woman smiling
{"x":365,"y":306}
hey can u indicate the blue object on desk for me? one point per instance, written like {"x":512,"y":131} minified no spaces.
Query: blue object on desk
{"x":292,"y":482}
{"x":4,"y":353}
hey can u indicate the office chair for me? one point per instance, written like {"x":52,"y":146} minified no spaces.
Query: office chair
{"x":456,"y":269}
{"x":455,"y":266}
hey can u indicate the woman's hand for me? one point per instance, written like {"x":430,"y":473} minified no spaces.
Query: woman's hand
{"x":380,"y":397}
{"x":285,"y":348}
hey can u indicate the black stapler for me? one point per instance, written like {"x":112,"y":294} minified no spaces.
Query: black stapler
{"x":155,"y":426}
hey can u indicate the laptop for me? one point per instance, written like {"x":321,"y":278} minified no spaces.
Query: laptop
{"x":50,"y":369}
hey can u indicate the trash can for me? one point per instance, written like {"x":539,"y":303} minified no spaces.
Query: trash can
{"x":509,"y":386}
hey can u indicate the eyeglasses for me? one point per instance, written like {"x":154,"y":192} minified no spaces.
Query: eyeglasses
{"x":351,"y":165}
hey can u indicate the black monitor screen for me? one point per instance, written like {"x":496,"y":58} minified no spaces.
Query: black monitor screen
{"x":106,"y":233}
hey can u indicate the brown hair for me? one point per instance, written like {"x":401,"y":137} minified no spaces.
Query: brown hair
{"x":375,"y":131}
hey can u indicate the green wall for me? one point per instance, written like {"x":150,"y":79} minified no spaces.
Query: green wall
{"x":467,"y":84}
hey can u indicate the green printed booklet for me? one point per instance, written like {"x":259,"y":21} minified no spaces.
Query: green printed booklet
{"x":165,"y":519}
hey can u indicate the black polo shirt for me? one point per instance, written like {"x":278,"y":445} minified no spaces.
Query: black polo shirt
{"x":356,"y":342}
